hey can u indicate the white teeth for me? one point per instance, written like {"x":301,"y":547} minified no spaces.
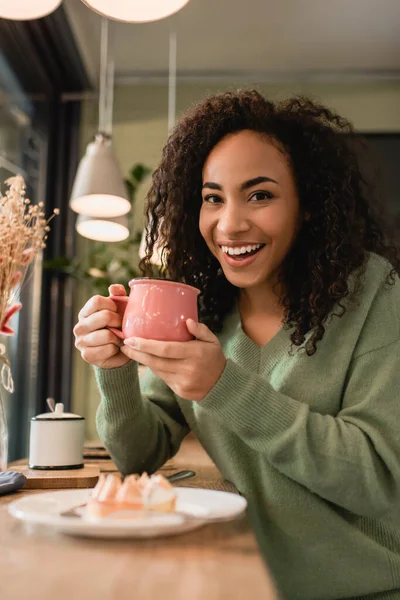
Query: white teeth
{"x":240,"y":249}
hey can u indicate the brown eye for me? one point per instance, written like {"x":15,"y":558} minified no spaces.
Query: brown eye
{"x":212,"y":199}
{"x":261,"y":196}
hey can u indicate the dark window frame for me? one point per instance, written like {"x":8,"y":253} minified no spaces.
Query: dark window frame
{"x":44,"y":57}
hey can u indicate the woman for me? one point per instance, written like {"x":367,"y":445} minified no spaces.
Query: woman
{"x":292,"y":382}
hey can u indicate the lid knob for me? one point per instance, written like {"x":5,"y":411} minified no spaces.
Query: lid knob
{"x":59,"y":409}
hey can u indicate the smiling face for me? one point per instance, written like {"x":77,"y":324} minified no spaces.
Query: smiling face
{"x":250,"y":213}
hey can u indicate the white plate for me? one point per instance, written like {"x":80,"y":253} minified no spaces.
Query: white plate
{"x":44,"y":509}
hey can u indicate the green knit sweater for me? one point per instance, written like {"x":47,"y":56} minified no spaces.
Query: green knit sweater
{"x":313,"y":443}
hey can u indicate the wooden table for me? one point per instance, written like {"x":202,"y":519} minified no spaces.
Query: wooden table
{"x":215,"y":562}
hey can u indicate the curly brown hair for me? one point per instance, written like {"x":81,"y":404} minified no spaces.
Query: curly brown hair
{"x":324,"y":153}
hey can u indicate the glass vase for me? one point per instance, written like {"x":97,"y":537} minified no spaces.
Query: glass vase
{"x":3,"y":433}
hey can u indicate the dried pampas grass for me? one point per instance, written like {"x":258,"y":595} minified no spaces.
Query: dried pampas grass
{"x":23,"y":234}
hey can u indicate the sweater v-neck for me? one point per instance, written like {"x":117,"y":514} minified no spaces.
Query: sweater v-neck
{"x":266,"y":356}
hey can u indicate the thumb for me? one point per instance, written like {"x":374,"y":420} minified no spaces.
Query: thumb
{"x":200,"y":331}
{"x":117,"y":289}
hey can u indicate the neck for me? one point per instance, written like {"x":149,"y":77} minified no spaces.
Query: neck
{"x":261,"y":300}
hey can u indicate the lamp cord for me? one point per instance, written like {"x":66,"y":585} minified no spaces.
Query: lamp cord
{"x":110,"y":98}
{"x":103,"y":75}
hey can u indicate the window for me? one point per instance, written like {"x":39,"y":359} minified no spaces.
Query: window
{"x":39,"y":62}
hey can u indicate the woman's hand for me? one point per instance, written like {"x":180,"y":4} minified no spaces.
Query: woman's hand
{"x":190,"y":369}
{"x":98,"y":345}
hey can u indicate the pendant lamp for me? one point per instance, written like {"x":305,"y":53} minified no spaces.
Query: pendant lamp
{"x":99,"y":189}
{"x":25,"y":10}
{"x":103,"y":229}
{"x":136,"y":11}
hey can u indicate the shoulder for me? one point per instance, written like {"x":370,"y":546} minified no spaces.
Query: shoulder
{"x":380,"y":285}
{"x":377,"y":269}
{"x":378,"y":304}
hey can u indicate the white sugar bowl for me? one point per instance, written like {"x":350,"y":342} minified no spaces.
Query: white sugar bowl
{"x":56,"y":440}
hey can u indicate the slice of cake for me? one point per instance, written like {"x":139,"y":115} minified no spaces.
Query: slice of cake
{"x":135,"y":493}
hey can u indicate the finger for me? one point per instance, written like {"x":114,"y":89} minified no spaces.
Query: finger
{"x":175,"y":350}
{"x":117,"y":289}
{"x":99,"y":354}
{"x":95,"y":304}
{"x":200,"y":331}
{"x":98,"y":320}
{"x":100,"y":337}
{"x":153,"y":362}
{"x":167,"y":377}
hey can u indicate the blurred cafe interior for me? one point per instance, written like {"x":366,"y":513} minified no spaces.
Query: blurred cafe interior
{"x":70,"y":77}
{"x":52,"y":70}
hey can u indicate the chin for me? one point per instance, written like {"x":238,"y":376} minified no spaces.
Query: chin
{"x":243,"y":281}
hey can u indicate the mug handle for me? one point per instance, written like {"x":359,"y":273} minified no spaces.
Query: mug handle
{"x":121,"y":310}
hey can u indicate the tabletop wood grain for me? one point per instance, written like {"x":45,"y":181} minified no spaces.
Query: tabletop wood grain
{"x":215,"y":562}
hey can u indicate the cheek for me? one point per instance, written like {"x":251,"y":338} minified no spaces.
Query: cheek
{"x":274,"y":222}
{"x":281,"y":224}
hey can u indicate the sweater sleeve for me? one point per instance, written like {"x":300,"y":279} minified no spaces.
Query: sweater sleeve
{"x":351,"y":459}
{"x":140,"y":424}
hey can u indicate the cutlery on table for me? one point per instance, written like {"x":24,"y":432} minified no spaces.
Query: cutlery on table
{"x":180,"y":475}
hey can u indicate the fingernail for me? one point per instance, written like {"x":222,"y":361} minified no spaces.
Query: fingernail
{"x":131,"y":342}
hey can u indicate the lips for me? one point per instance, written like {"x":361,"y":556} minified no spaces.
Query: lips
{"x":242,"y":250}
{"x":241,"y":255}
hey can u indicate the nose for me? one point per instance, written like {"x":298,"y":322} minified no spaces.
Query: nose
{"x":233,"y":219}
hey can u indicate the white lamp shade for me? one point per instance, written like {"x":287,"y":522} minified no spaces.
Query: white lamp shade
{"x":103,"y":230}
{"x":136,"y":11}
{"x":99,"y":189}
{"x":24,"y":10}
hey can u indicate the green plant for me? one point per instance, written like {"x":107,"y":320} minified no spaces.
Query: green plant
{"x":107,"y":263}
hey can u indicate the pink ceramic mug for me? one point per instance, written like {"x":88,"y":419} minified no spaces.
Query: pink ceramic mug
{"x":157,"y":309}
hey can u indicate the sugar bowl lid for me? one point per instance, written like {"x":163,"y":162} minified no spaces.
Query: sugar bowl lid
{"x":57,"y":414}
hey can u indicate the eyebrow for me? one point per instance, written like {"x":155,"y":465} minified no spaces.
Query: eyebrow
{"x":245,"y":186}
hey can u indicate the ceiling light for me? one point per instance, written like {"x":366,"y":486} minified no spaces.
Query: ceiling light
{"x":99,"y":189}
{"x":25,"y":10}
{"x":103,"y":230}
{"x":136,"y":11}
